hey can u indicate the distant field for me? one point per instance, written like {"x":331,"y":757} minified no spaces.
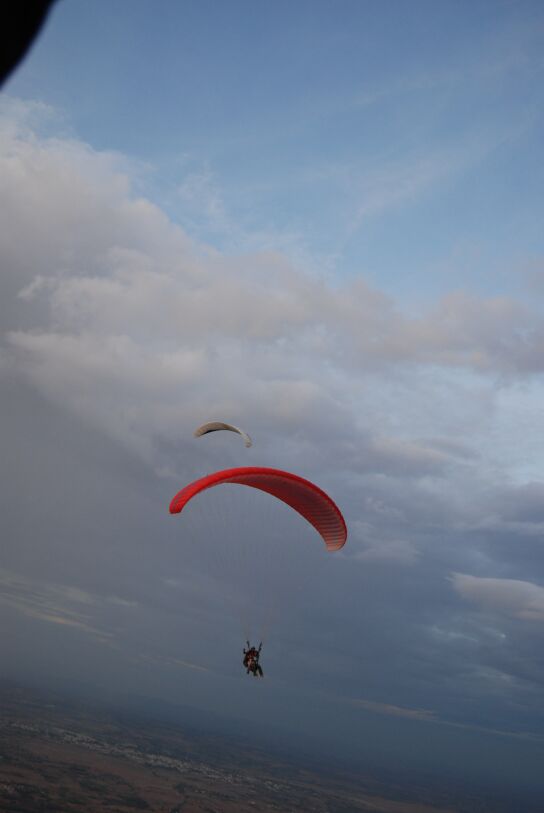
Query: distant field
{"x":65,"y":757}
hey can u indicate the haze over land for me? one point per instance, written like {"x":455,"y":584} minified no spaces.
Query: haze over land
{"x":322,"y":222}
{"x":61,"y":753}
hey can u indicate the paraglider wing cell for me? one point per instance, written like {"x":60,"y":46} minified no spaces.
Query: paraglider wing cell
{"x":303,"y":496}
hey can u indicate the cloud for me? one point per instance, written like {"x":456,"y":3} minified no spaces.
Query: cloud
{"x":523,"y":505}
{"x":428,"y":716}
{"x":399,"y":551}
{"x":123,"y":333}
{"x":394,"y":711}
{"x":176,"y":662}
{"x":126,"y":321}
{"x":63,"y":605}
{"x":400,"y":182}
{"x":511,"y":597}
{"x":114,"y":313}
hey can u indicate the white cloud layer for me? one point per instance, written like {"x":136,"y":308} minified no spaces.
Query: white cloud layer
{"x":510,"y":597}
{"x":124,"y":319}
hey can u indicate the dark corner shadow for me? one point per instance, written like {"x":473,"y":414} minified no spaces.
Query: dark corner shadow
{"x":20,"y":22}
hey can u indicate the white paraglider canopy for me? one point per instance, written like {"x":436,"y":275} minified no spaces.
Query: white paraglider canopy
{"x":216,"y":426}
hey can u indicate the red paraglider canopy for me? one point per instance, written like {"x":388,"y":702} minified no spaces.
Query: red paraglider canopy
{"x":302,"y":495}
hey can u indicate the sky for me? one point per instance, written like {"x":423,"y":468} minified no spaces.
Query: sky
{"x":323,"y":222}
